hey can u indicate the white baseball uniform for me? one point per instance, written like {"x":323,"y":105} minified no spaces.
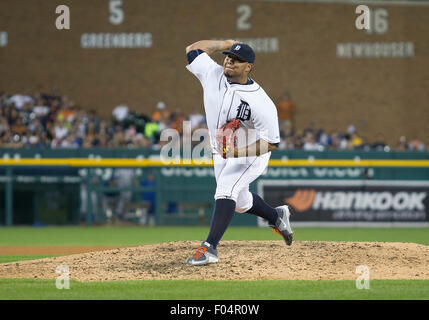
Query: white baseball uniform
{"x":257,"y":113}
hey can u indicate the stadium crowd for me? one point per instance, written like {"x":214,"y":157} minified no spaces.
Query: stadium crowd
{"x":55,"y":121}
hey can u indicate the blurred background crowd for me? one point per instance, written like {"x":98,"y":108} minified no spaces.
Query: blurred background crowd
{"x":56,"y":121}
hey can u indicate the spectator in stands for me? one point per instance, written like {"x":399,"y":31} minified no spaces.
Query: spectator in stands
{"x":416,"y":144}
{"x":335,"y":139}
{"x":176,"y":121}
{"x":313,"y":127}
{"x":13,"y":116}
{"x":4,"y":125}
{"x":151,"y":131}
{"x":67,"y":112}
{"x":89,"y":141}
{"x":140,"y":141}
{"x":402,"y":144}
{"x":287,"y":137}
{"x":36,"y":139}
{"x":366,"y":146}
{"x":35,"y":124}
{"x":120,"y":112}
{"x":13,"y":141}
{"x":40,"y":109}
{"x":103,"y":128}
{"x":102,"y":140}
{"x":161,"y":114}
{"x":196,"y":118}
{"x":3,"y":99}
{"x":351,"y":129}
{"x":323,"y":138}
{"x":345,"y":142}
{"x":356,"y":141}
{"x":130,"y":134}
{"x":118,"y":137}
{"x":61,"y":130}
{"x":286,"y":110}
{"x":4,"y":139}
{"x":94,"y":119}
{"x":379,"y":143}
{"x":20,"y":99}
{"x":70,"y":142}
{"x":287,"y":143}
{"x":55,"y":107}
{"x":102,"y":135}
{"x":78,"y":130}
{"x":310,"y":143}
{"x":19,"y":127}
{"x":54,"y":120}
{"x":298,"y":140}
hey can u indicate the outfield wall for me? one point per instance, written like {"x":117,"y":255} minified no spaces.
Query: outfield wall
{"x":133,"y":52}
{"x":329,"y":187}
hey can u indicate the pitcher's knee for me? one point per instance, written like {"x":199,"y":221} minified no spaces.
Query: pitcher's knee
{"x":242,"y":209}
{"x":244,"y":201}
{"x":225,"y":194}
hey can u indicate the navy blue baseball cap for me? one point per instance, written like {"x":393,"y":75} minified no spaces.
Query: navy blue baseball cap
{"x":242,"y":51}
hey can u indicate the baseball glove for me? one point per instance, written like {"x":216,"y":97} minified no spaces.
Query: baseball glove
{"x":226,"y":138}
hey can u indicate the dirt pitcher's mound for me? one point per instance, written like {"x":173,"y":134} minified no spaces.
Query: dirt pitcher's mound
{"x":238,"y":260}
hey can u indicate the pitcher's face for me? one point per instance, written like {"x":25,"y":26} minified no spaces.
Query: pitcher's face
{"x":233,"y":67}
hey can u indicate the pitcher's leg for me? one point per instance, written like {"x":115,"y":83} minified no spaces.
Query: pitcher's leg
{"x":207,"y":253}
{"x":222,"y":216}
{"x":249,"y":202}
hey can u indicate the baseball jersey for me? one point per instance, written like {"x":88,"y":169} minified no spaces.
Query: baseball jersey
{"x":224,"y":101}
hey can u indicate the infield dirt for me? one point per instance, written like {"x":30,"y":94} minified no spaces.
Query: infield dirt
{"x":238,"y":260}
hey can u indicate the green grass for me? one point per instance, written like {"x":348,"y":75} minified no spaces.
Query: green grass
{"x":12,"y":258}
{"x":211,"y":290}
{"x":111,"y":236}
{"x":214,"y":290}
{"x":416,"y":235}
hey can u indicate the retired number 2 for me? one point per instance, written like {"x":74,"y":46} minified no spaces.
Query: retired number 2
{"x":244,"y":12}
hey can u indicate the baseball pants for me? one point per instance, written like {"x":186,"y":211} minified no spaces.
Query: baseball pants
{"x":234,"y":175}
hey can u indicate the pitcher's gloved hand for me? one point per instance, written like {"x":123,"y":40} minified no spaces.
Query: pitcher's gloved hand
{"x":226,"y":138}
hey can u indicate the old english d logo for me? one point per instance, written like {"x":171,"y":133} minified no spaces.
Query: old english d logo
{"x":302,"y":199}
{"x":243,"y":111}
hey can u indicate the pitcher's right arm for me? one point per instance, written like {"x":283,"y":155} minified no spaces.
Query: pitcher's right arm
{"x":210,"y":46}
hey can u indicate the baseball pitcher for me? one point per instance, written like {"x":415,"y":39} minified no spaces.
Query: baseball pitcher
{"x":234,"y":103}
